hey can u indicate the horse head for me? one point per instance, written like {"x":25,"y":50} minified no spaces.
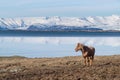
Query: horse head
{"x":79,"y":47}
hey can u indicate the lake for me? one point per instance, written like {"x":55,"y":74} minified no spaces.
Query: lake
{"x":56,"y":44}
{"x":57,"y":33}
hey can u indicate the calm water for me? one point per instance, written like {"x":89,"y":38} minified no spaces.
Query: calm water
{"x":55,"y":33}
{"x":56,"y":44}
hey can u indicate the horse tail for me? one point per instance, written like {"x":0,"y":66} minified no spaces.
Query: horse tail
{"x":93,"y":53}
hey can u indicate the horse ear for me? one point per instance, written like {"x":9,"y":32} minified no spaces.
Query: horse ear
{"x":78,"y":44}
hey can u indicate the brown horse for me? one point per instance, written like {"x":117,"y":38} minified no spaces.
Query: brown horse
{"x":87,"y":53}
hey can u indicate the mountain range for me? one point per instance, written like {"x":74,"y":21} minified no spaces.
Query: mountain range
{"x":56,"y":23}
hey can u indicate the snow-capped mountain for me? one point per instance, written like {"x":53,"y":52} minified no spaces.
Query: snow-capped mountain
{"x":61,"y":23}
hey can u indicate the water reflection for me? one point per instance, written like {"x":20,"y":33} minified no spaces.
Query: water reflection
{"x":56,"y":46}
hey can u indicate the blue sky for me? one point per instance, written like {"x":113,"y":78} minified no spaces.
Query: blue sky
{"x":70,"y":8}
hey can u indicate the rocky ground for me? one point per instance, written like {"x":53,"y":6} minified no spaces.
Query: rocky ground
{"x":65,"y":68}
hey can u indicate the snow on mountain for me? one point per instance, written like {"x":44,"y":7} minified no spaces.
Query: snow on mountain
{"x":61,"y":23}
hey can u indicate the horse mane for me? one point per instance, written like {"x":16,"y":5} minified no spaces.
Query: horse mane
{"x":85,"y":48}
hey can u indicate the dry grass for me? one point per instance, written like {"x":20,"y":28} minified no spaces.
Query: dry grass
{"x":66,"y":68}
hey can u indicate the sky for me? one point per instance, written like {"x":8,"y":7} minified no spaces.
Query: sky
{"x":69,"y":8}
{"x":56,"y":46}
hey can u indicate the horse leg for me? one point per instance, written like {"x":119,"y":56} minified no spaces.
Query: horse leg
{"x":91,"y":60}
{"x":85,"y":61}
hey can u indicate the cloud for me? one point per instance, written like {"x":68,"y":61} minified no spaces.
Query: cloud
{"x":96,"y":41}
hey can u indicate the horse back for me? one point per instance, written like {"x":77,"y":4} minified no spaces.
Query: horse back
{"x":92,"y":51}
